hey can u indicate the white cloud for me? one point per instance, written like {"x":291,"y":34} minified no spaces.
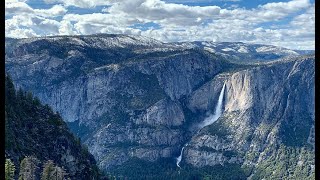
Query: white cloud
{"x":177,"y":22}
{"x":80,"y":3}
{"x":197,"y":1}
{"x":56,"y":10}
{"x":31,"y":25}
{"x":19,"y":20}
{"x":22,"y":33}
{"x":101,"y":19}
{"x":48,"y":26}
{"x":66,"y":28}
{"x":14,"y":1}
{"x":167,"y":13}
{"x":286,"y":7}
{"x":267,"y":12}
{"x":17,"y":7}
{"x":17,"y":27}
{"x":306,"y":20}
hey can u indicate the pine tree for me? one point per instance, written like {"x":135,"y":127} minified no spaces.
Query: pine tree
{"x":52,"y":172}
{"x":7,"y":133}
{"x":36,"y":101}
{"x":29,"y":97}
{"x":48,"y":170}
{"x":9,"y":170}
{"x":28,"y":168}
{"x":60,"y":173}
{"x":10,"y":92}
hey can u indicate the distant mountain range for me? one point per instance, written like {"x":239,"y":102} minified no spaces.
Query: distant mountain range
{"x":235,"y":50}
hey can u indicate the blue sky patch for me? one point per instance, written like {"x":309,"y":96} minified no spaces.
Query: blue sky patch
{"x":146,"y":26}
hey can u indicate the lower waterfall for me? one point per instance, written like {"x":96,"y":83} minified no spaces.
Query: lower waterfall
{"x":180,"y":157}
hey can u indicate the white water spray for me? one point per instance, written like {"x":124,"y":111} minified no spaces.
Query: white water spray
{"x":212,"y":118}
{"x":207,"y":121}
{"x":180,"y":157}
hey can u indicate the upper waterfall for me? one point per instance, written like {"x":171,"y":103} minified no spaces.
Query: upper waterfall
{"x":218,"y":111}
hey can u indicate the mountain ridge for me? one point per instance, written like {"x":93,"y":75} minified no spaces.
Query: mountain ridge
{"x":235,"y":50}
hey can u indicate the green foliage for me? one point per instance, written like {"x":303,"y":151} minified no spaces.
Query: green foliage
{"x":117,"y":115}
{"x":167,"y":169}
{"x":36,"y":101}
{"x":9,"y":170}
{"x":218,"y":128}
{"x":56,"y":120}
{"x":29,"y":97}
{"x":287,"y":163}
{"x":207,"y":149}
{"x":84,"y":150}
{"x":52,"y":172}
{"x":152,"y":92}
{"x":230,"y":153}
{"x":28,"y":168}
{"x":295,"y":130}
{"x":48,"y":170}
{"x":10,"y":92}
{"x":34,"y":129}
{"x":8,"y":133}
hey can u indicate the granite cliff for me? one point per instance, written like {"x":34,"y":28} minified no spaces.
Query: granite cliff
{"x":135,"y":100}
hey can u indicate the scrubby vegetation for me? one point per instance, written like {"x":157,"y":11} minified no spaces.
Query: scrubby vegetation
{"x":167,"y":169}
{"x":287,"y":163}
{"x":35,"y":134}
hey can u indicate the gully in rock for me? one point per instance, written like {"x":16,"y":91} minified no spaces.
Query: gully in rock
{"x":209,"y":120}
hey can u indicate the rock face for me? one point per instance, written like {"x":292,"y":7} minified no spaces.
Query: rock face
{"x":165,"y":112}
{"x":265,"y":107}
{"x":131,"y":97}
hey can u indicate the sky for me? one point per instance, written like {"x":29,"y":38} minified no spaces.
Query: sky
{"x":286,"y":23}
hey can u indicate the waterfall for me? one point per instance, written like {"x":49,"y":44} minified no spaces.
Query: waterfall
{"x":180,"y":157}
{"x":207,"y":121}
{"x":212,"y":118}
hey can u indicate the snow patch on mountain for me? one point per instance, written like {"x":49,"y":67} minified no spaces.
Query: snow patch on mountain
{"x":228,"y":49}
{"x":243,"y":49}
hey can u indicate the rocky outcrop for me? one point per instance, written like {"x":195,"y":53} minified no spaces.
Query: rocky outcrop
{"x":165,"y":112}
{"x":210,"y":150}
